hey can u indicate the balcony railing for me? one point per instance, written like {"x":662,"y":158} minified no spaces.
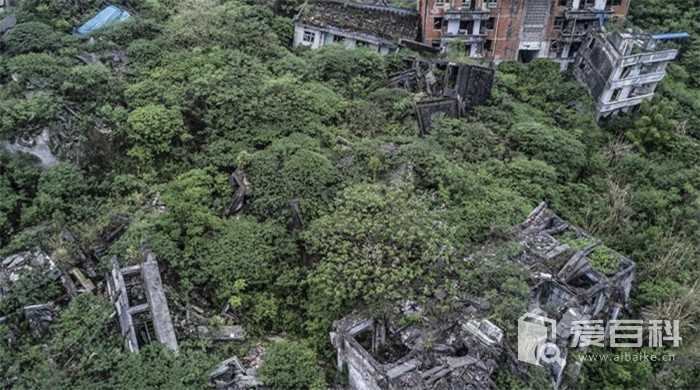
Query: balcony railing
{"x":664,"y":55}
{"x":622,"y":103}
{"x":653,"y":77}
{"x":589,"y":13}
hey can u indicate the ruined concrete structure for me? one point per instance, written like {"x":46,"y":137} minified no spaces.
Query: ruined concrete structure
{"x":569,"y":282}
{"x":385,"y":355}
{"x":621,"y":70}
{"x":353,"y":24}
{"x":137,"y":294}
{"x":453,"y":89}
{"x":231,"y":374}
{"x":502,"y":30}
{"x":575,"y":277}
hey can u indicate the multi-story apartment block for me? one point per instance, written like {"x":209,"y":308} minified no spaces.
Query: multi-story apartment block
{"x":621,"y":70}
{"x":501,"y":30}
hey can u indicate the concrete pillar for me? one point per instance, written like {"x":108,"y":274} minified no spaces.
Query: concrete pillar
{"x":625,"y":93}
{"x":153,"y":286}
{"x":565,"y":51}
{"x":477,"y":27}
{"x":599,"y":5}
{"x":575,"y":4}
{"x":473,"y":50}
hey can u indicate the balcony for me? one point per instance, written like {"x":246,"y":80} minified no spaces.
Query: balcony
{"x":463,"y":37}
{"x":588,"y":13}
{"x":465,"y":13}
{"x":653,"y":77}
{"x":629,"y":102}
{"x":643,"y":58}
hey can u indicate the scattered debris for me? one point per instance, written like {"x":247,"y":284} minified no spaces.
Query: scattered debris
{"x":38,"y":146}
{"x":297,"y":221}
{"x":7,"y":23}
{"x":240,"y":185}
{"x":222,"y":333}
{"x":567,"y":284}
{"x":232,"y":374}
{"x":104,"y":18}
{"x":39,"y":317}
{"x":381,"y":354}
{"x":137,"y":294}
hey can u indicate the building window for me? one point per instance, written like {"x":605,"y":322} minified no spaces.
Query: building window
{"x":338,"y":38}
{"x":436,"y":43}
{"x":309,"y":36}
{"x":563,"y":2}
{"x":615,"y":3}
{"x":488,"y":44}
{"x":616,"y":95}
{"x":492,"y":3}
{"x":490,"y":23}
{"x":437,"y":23}
{"x":466,"y":3}
{"x":361,"y":44}
{"x":466,"y":25}
{"x":439,"y":2}
{"x":558,"y":23}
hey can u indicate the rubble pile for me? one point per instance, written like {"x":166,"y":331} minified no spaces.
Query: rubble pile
{"x":385,"y":355}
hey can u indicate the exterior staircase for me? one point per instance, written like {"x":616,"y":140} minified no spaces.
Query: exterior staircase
{"x":535,"y":20}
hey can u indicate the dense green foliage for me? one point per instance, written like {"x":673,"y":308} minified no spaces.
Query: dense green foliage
{"x":186,"y":92}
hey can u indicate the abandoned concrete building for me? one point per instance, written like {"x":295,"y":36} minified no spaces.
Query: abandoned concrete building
{"x":621,"y":70}
{"x":383,"y":355}
{"x":567,"y":284}
{"x":507,"y":30}
{"x":379,"y":27}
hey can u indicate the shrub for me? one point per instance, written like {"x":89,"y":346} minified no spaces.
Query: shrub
{"x":291,"y":365}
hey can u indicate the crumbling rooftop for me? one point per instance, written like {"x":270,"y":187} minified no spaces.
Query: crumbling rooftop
{"x":390,"y":23}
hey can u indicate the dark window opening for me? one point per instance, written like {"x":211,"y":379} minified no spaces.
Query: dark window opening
{"x":563,"y":2}
{"x":574,"y":48}
{"x":338,"y":38}
{"x":490,"y":23}
{"x":558,"y":23}
{"x":526,"y":56}
{"x":615,"y":3}
{"x":437,"y":23}
{"x":616,"y":95}
{"x":487,"y":45}
{"x":466,"y":25}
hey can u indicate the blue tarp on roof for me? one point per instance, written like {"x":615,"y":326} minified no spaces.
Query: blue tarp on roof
{"x":106,"y":17}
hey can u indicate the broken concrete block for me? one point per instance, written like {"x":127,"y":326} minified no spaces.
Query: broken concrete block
{"x":222,"y":333}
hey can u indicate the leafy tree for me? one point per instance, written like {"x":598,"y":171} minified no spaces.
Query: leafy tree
{"x":291,"y":365}
{"x":380,"y":245}
{"x":152,"y":131}
{"x":31,"y":37}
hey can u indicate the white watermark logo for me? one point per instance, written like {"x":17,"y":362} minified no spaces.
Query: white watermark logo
{"x":537,"y":340}
{"x":537,"y":336}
